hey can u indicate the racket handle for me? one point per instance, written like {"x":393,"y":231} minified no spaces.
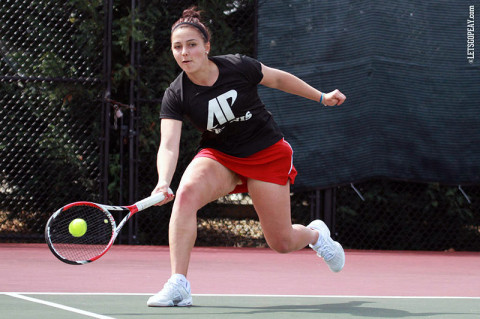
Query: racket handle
{"x":152,"y":200}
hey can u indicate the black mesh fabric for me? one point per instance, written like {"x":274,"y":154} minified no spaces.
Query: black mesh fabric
{"x":413,"y":97}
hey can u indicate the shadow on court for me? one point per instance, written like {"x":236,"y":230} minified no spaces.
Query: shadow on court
{"x":346,"y":309}
{"x":354,"y":308}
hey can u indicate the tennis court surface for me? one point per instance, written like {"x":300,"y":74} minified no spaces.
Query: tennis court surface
{"x":241,"y":283}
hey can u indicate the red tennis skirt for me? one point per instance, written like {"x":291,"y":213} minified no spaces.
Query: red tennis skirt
{"x":273,"y":164}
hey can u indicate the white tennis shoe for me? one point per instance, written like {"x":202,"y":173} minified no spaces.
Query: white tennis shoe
{"x":174,"y":293}
{"x":326,"y":248}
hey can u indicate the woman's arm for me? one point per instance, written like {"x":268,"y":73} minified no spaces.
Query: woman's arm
{"x":281,"y":80}
{"x":167,"y":155}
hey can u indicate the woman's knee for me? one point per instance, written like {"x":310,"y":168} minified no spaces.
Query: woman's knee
{"x":205,"y":180}
{"x":188,"y":197}
{"x":281,"y":245}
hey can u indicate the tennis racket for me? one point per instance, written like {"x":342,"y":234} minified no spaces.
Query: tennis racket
{"x":101,"y":229}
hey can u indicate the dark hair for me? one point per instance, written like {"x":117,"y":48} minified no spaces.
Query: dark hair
{"x":192,"y":17}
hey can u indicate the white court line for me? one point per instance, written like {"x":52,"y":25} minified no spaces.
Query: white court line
{"x":336,"y":296}
{"x":240,"y":295}
{"x":59,"y":306}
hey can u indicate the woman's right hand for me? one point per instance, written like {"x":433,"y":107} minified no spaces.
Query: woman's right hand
{"x":163,"y":188}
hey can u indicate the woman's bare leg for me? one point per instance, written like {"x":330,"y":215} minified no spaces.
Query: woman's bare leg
{"x":272,"y":204}
{"x":203,"y":181}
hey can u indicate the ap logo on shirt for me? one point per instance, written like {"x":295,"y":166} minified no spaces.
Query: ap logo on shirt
{"x":220,"y":112}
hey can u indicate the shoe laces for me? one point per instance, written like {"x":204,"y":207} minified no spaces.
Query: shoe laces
{"x":174,"y":287}
{"x":327,"y":250}
{"x":169,"y":288}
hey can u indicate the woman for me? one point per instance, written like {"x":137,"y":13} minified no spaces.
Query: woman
{"x":242,"y":150}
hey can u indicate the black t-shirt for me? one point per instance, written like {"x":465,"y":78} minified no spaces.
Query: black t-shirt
{"x":230,"y":114}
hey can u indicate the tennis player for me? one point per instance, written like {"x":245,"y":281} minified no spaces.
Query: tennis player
{"x":242,"y":150}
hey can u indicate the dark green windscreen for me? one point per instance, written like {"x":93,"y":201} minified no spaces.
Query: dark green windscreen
{"x":413,"y":97}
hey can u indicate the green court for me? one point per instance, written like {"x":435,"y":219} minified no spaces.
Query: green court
{"x":53,"y":306}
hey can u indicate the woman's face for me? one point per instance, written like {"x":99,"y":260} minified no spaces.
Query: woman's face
{"x":189,"y":49}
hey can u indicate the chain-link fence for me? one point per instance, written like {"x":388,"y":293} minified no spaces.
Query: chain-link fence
{"x":53,"y":141}
{"x":383,"y":214}
{"x":50,"y":76}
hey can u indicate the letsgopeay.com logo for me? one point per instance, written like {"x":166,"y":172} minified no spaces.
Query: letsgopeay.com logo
{"x":471,"y":34}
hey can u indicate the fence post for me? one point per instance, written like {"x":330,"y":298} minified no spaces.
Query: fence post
{"x":329,"y":207}
{"x":132,"y":131}
{"x":106,"y":105}
{"x":323,"y":206}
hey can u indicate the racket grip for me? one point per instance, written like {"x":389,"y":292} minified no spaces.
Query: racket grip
{"x":152,"y":200}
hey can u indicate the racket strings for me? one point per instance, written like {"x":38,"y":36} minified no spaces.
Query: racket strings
{"x":91,"y":244}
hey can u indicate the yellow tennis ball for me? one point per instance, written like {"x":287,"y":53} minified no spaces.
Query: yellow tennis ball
{"x":77,"y":227}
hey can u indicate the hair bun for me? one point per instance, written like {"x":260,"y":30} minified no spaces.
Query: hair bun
{"x":191,"y":13}
{"x":192,"y":16}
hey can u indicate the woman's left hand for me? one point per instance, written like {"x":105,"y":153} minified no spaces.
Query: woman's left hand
{"x":333,"y":98}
